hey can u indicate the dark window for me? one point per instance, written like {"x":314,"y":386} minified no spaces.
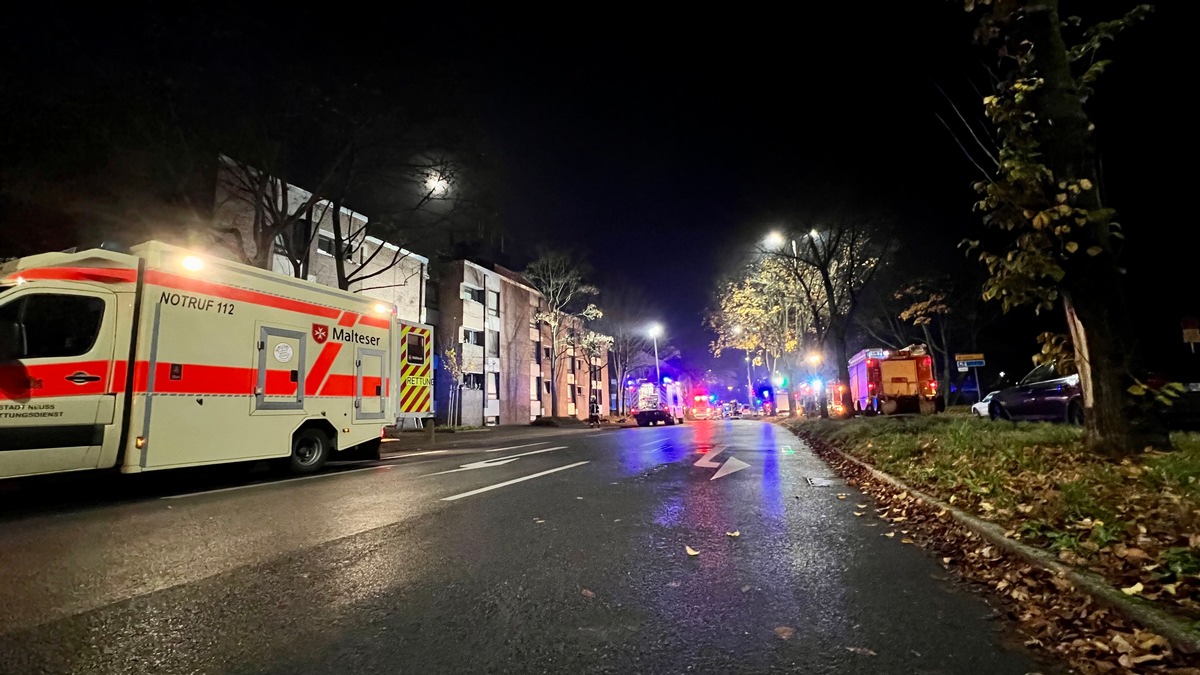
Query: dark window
{"x":537,"y":352}
{"x":493,"y":303}
{"x":546,"y":384}
{"x":473,"y":337}
{"x":570,"y":365}
{"x":326,"y":243}
{"x":494,"y":385}
{"x":536,"y":388}
{"x":473,"y":380}
{"x":416,"y":349}
{"x":546,"y":352}
{"x":493,"y":346}
{"x":474,"y":294}
{"x":56,"y":326}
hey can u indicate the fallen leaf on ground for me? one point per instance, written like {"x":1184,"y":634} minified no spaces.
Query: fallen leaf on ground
{"x":579,"y":498}
{"x":616,"y":520}
{"x":841,"y":496}
{"x":784,"y":632}
{"x":906,"y":540}
{"x":861,"y":650}
{"x":691,"y":551}
{"x":858,"y":513}
{"x":947,"y":560}
{"x":862,"y":506}
{"x":735,"y":533}
{"x":539,"y":521}
{"x":1134,"y":589}
{"x":745,"y":588}
{"x":673,"y":584}
{"x":1170,"y":588}
{"x":889,"y":535}
{"x":587,"y":593}
{"x":986,"y":506}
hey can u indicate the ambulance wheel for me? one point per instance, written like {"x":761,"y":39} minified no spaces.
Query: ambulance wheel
{"x":310,"y":449}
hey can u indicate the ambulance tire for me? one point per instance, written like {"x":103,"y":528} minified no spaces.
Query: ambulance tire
{"x":310,"y":450}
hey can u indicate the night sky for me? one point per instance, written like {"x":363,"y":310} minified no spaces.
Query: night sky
{"x":663,"y":144}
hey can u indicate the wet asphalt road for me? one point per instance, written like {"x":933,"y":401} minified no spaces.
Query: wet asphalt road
{"x":569,"y":557}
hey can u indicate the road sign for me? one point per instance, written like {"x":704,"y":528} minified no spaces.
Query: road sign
{"x":974,"y":363}
{"x":961,"y":367}
{"x":875,"y":354}
{"x":968,"y":357}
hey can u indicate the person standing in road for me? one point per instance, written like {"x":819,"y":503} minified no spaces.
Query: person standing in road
{"x":593,"y":413}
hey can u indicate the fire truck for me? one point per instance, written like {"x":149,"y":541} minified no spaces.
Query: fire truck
{"x":659,"y":403}
{"x":890,"y":382}
{"x":703,"y":407}
{"x":163,"y":357}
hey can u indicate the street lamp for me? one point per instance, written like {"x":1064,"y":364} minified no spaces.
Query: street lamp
{"x":774,"y":241}
{"x":814,"y":358}
{"x":655,"y":331}
{"x":749,"y":382}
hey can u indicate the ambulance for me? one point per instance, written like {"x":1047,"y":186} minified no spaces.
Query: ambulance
{"x":161,"y":358}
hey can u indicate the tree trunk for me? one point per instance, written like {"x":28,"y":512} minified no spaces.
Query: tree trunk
{"x":1093,"y":299}
{"x":838,"y":332}
{"x":553,"y":376}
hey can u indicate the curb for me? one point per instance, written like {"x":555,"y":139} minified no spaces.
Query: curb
{"x":1174,"y":629}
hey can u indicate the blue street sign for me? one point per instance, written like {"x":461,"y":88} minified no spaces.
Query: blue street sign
{"x":972,"y":364}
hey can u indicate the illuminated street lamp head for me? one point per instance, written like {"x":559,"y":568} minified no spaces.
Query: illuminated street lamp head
{"x":814,"y":358}
{"x":656,"y":330}
{"x":773,"y":240}
{"x":778,"y":380}
{"x":436,"y":184}
{"x":747,"y":359}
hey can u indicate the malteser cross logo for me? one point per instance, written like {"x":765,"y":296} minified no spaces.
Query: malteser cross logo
{"x":320,"y":333}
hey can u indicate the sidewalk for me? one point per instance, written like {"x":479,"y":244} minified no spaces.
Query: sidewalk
{"x":419,"y":440}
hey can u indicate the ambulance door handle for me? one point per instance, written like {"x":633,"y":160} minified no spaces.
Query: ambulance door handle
{"x":80,"y":377}
{"x":295,"y":375}
{"x":379,"y":390}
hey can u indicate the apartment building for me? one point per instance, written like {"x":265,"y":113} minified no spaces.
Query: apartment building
{"x":488,"y":315}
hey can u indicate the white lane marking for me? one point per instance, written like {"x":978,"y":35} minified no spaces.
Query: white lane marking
{"x":731,"y":465}
{"x":488,"y":463}
{"x":277,"y":482}
{"x":659,"y":442}
{"x":516,"y":447}
{"x":416,"y":454}
{"x":592,"y":435}
{"x":513,"y":481}
{"x":706,"y":460}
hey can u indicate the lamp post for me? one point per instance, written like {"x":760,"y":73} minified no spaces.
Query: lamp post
{"x":655,"y":331}
{"x":749,"y":382}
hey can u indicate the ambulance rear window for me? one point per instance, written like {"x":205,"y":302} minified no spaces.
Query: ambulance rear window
{"x":416,"y":349}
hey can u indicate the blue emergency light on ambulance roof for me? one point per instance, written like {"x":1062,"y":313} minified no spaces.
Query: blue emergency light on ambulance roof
{"x":816,"y":384}
{"x":766,"y":393}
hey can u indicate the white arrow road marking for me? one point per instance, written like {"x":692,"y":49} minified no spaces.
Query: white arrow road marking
{"x":515,"y":447}
{"x":732,"y":464}
{"x":513,"y":481}
{"x":488,"y":463}
{"x":705,"y":460}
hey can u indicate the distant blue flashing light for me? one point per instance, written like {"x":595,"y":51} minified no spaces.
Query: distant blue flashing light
{"x":816,"y":384}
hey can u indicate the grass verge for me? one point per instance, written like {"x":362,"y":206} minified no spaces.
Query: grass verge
{"x":1135,"y":522}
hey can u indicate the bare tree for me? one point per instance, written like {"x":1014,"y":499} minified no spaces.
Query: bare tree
{"x":845,"y":253}
{"x":557,"y":277}
{"x":625,"y":321}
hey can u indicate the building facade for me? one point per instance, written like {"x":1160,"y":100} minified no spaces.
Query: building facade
{"x":488,"y":316}
{"x":373,"y":267}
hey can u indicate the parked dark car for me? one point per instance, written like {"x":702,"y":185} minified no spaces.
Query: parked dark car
{"x":1041,"y":396}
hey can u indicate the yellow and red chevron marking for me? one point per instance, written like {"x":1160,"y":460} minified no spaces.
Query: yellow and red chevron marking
{"x":416,"y":397}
